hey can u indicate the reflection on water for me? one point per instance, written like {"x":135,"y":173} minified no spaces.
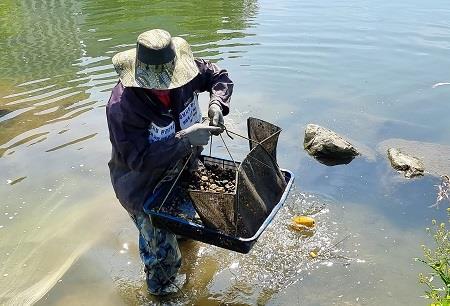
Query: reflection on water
{"x":363,"y":69}
{"x":62,"y":52}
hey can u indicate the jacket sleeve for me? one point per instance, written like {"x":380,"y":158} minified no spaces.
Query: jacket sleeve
{"x":217,"y":82}
{"x":130,"y":136}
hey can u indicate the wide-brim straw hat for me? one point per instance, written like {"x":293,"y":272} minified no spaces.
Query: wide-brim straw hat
{"x":158,"y":62}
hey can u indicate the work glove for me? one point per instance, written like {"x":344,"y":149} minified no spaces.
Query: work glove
{"x":215,"y":116}
{"x":198,"y":134}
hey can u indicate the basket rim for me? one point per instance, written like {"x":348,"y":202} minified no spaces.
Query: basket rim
{"x":258,"y":233}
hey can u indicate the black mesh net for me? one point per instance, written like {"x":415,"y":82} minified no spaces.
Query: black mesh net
{"x":259,"y":186}
{"x":264,"y":133}
{"x":216,"y":210}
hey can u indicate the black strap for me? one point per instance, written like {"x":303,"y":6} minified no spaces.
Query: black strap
{"x":155,"y":56}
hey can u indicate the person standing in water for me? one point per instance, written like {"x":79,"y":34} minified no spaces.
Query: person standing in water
{"x":154,"y":123}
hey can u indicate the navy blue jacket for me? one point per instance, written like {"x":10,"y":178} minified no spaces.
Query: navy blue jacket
{"x":142,"y":131}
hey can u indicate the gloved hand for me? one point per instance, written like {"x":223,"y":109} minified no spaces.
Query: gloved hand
{"x":198,"y":134}
{"x":215,"y":116}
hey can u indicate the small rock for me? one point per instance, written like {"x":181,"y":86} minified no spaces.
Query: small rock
{"x":434,"y":156}
{"x":412,"y":166}
{"x":327,"y":145}
{"x":210,"y":178}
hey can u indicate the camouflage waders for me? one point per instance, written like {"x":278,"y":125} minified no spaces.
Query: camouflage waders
{"x":160,"y":254}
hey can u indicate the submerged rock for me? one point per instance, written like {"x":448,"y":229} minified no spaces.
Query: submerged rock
{"x":434,"y":156}
{"x":327,"y":146}
{"x":412,"y":166}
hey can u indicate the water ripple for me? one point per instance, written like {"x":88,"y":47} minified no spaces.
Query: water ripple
{"x":72,"y":142}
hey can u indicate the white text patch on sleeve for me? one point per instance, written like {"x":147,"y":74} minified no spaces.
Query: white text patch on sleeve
{"x":158,"y":133}
{"x":191,"y":114}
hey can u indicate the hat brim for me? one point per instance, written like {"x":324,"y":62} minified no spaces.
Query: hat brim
{"x":171,"y":75}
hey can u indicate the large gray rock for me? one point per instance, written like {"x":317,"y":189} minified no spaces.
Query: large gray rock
{"x":325,"y":144}
{"x":412,"y":166}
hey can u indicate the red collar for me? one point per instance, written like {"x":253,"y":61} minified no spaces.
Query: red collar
{"x":162,"y":96}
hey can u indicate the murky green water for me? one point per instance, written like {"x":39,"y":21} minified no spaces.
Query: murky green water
{"x":363,"y":68}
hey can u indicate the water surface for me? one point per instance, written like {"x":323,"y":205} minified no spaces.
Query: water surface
{"x":363,"y":68}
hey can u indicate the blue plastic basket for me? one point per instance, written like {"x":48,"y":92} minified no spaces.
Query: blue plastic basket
{"x":186,"y":228}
